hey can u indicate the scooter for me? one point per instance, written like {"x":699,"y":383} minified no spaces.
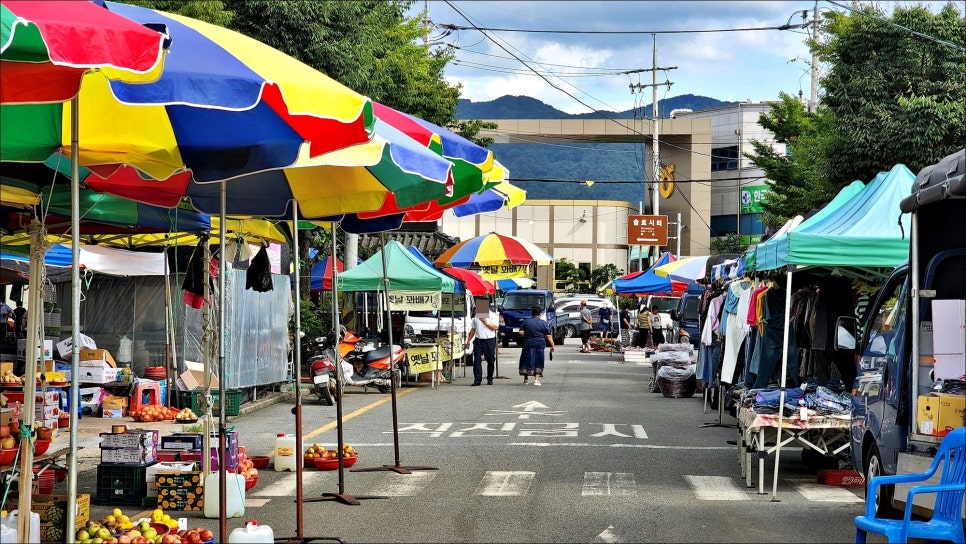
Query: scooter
{"x":363,"y":364}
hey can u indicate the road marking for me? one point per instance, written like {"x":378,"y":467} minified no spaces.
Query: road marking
{"x":609,"y":483}
{"x":256,"y":503}
{"x":644,"y":446}
{"x":527,"y":409}
{"x":817,"y":492}
{"x":404,"y":485}
{"x":607,"y":535}
{"x":717,"y":488}
{"x":286,"y":486}
{"x":508,"y":483}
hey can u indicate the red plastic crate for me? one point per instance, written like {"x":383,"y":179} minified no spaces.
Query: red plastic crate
{"x":841,"y":478}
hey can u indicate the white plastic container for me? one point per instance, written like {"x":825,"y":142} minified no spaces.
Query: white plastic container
{"x":9,"y":524}
{"x":286,"y":458}
{"x":234,"y":496}
{"x":252,"y":532}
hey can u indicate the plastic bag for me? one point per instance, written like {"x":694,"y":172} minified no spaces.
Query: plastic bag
{"x":677,"y":381}
{"x":671,"y":357}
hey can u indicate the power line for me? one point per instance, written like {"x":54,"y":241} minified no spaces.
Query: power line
{"x":450,"y":26}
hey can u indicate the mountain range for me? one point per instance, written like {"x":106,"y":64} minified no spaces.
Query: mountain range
{"x":559,"y":171}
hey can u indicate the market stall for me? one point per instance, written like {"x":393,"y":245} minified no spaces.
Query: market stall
{"x":859,"y":236}
{"x":408,"y":284}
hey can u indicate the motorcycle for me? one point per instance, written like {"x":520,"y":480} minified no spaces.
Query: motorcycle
{"x":364,"y":364}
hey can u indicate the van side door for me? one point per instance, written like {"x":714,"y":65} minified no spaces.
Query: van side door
{"x":881,"y":376}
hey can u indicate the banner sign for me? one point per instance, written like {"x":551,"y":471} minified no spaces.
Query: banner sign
{"x":428,"y":358}
{"x":647,"y":230}
{"x":454,"y":302}
{"x":505,"y":271}
{"x":414,"y":300}
{"x":752,"y":197}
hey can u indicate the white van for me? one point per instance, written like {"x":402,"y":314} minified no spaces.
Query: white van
{"x":429,"y":322}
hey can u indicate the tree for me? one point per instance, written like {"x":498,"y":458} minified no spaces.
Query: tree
{"x":603,"y":274}
{"x":891,"y":96}
{"x":209,"y":11}
{"x":729,"y":243}
{"x":567,"y":272}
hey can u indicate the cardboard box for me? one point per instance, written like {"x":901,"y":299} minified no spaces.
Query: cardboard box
{"x":182,"y":442}
{"x":52,"y":510}
{"x":113,"y":403}
{"x":113,"y":414}
{"x":6,"y":416}
{"x":65,"y":348}
{"x":133,"y":438}
{"x":130,"y":456}
{"x":92,"y":374}
{"x":194,"y":377}
{"x":96,"y":357}
{"x":6,"y":366}
{"x":927,"y":418}
{"x":47,"y":349}
{"x":951,"y":413}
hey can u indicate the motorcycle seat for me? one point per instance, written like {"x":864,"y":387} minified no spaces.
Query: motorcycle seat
{"x":379,"y":353}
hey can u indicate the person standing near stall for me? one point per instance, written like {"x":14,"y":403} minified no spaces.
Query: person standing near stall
{"x":604,"y":316}
{"x":20,"y":320}
{"x":483,"y":336}
{"x":644,"y":339}
{"x":536,"y":337}
{"x":586,"y":323}
{"x":657,"y":332}
{"x":625,"y":321}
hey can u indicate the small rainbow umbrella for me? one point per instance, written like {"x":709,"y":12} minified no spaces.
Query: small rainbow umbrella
{"x":688,"y":269}
{"x":475,"y":284}
{"x":493,"y":249}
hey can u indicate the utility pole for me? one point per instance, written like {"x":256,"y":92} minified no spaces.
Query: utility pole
{"x":427,"y":22}
{"x":813,"y":102}
{"x":655,"y":125}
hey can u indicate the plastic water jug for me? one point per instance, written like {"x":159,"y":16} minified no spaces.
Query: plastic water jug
{"x":124,"y":351}
{"x":9,"y":524}
{"x":252,"y":532}
{"x":234,"y":496}
{"x":285,"y":455}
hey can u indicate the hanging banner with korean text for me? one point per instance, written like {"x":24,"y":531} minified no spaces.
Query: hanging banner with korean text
{"x":505,"y":271}
{"x":414,"y":300}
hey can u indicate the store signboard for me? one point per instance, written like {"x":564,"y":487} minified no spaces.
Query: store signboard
{"x":647,"y":230}
{"x":414,"y":300}
{"x":505,"y":271}
{"x":752,"y":198}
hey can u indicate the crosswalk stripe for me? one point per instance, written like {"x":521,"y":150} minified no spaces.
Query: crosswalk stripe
{"x":505,"y":483}
{"x":403,"y":485}
{"x":609,"y":483}
{"x":717,"y":488}
{"x":817,"y":492}
{"x":256,"y":503}
{"x":286,"y":486}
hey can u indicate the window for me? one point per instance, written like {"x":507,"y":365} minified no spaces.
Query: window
{"x":724,"y":158}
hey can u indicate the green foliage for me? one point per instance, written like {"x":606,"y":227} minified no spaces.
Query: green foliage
{"x":209,"y":11}
{"x":470,"y":130}
{"x":567,"y":272}
{"x":603,"y":274}
{"x":729,"y":243}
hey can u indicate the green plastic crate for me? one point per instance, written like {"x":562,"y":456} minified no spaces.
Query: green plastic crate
{"x":193,"y":399}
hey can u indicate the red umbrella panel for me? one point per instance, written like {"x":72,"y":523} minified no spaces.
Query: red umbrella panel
{"x":475,"y":284}
{"x":322,"y":274}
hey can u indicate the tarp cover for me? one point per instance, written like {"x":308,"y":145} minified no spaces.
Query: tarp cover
{"x":648,"y":282}
{"x":406,"y":272}
{"x":867,"y":231}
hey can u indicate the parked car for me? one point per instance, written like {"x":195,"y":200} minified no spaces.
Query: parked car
{"x":516,"y":307}
{"x":568,"y":315}
{"x":686,"y":316}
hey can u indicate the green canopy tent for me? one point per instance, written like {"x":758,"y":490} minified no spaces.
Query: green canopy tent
{"x":867,"y":232}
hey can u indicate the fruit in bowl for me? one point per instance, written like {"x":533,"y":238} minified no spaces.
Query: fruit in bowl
{"x":40,"y":446}
{"x":7,"y":456}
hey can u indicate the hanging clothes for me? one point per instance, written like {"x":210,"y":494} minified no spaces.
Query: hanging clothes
{"x":194,"y":278}
{"x":735,"y":330}
{"x":259,"y":275}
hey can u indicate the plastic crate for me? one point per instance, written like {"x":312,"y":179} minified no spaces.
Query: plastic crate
{"x":841,"y":478}
{"x":192,"y":399}
{"x":121,"y":485}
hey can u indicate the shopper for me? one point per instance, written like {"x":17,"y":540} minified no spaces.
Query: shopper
{"x":625,"y":321}
{"x":657,"y":332}
{"x":536,"y":337}
{"x":644,"y":339}
{"x":604,"y":316}
{"x":586,"y":323}
{"x":20,"y":320}
{"x":483,"y":336}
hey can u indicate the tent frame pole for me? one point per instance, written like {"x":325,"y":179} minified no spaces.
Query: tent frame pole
{"x":781,"y":395}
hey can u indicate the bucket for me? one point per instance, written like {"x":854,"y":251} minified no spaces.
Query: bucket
{"x":46,"y":480}
{"x":9,"y":523}
{"x":234,"y":496}
{"x":286,"y":457}
{"x":252,"y":532}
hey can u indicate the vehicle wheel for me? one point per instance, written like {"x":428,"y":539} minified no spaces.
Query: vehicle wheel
{"x":327,"y":394}
{"x":883,"y":501}
{"x":569,"y":331}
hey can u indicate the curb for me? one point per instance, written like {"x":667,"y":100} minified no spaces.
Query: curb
{"x":274,"y":398}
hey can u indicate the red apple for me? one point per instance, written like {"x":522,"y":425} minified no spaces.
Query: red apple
{"x":207,"y":535}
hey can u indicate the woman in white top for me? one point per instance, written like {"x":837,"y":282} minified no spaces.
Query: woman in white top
{"x":657,"y":331}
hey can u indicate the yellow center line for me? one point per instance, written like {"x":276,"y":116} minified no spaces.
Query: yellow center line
{"x":333,"y":424}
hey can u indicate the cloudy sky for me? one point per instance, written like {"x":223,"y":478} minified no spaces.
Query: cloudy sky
{"x":587,"y":68}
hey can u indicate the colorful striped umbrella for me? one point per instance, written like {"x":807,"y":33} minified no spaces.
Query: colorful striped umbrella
{"x":46,"y":50}
{"x":493,"y":249}
{"x":475,"y":284}
{"x":225,"y":105}
{"x":688,"y":269}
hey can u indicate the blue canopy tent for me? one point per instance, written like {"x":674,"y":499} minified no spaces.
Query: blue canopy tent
{"x":648,"y":282}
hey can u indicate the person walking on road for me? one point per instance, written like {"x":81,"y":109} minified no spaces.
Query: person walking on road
{"x":536,"y":337}
{"x":586,"y":323}
{"x":483,"y":336}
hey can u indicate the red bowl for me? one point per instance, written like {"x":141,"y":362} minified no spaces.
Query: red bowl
{"x":7,"y":456}
{"x":40,"y":446}
{"x":333,"y":463}
{"x":161,"y":528}
{"x":260,"y":461}
{"x":250,"y":482}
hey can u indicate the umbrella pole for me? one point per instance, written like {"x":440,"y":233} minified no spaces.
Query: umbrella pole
{"x":341,"y":495}
{"x":398,"y":468}
{"x":222,"y":376}
{"x":75,"y":292}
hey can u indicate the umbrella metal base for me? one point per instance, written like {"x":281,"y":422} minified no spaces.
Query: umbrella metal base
{"x":344,"y":498}
{"x":398,"y":469}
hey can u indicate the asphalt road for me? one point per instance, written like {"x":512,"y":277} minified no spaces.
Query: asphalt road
{"x":589,"y":456}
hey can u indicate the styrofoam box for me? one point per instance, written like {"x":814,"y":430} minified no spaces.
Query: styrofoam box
{"x":131,"y":439}
{"x":948,"y":326}
{"x":66,"y":347}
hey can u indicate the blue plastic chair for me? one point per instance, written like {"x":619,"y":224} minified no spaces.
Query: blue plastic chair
{"x":946,"y":522}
